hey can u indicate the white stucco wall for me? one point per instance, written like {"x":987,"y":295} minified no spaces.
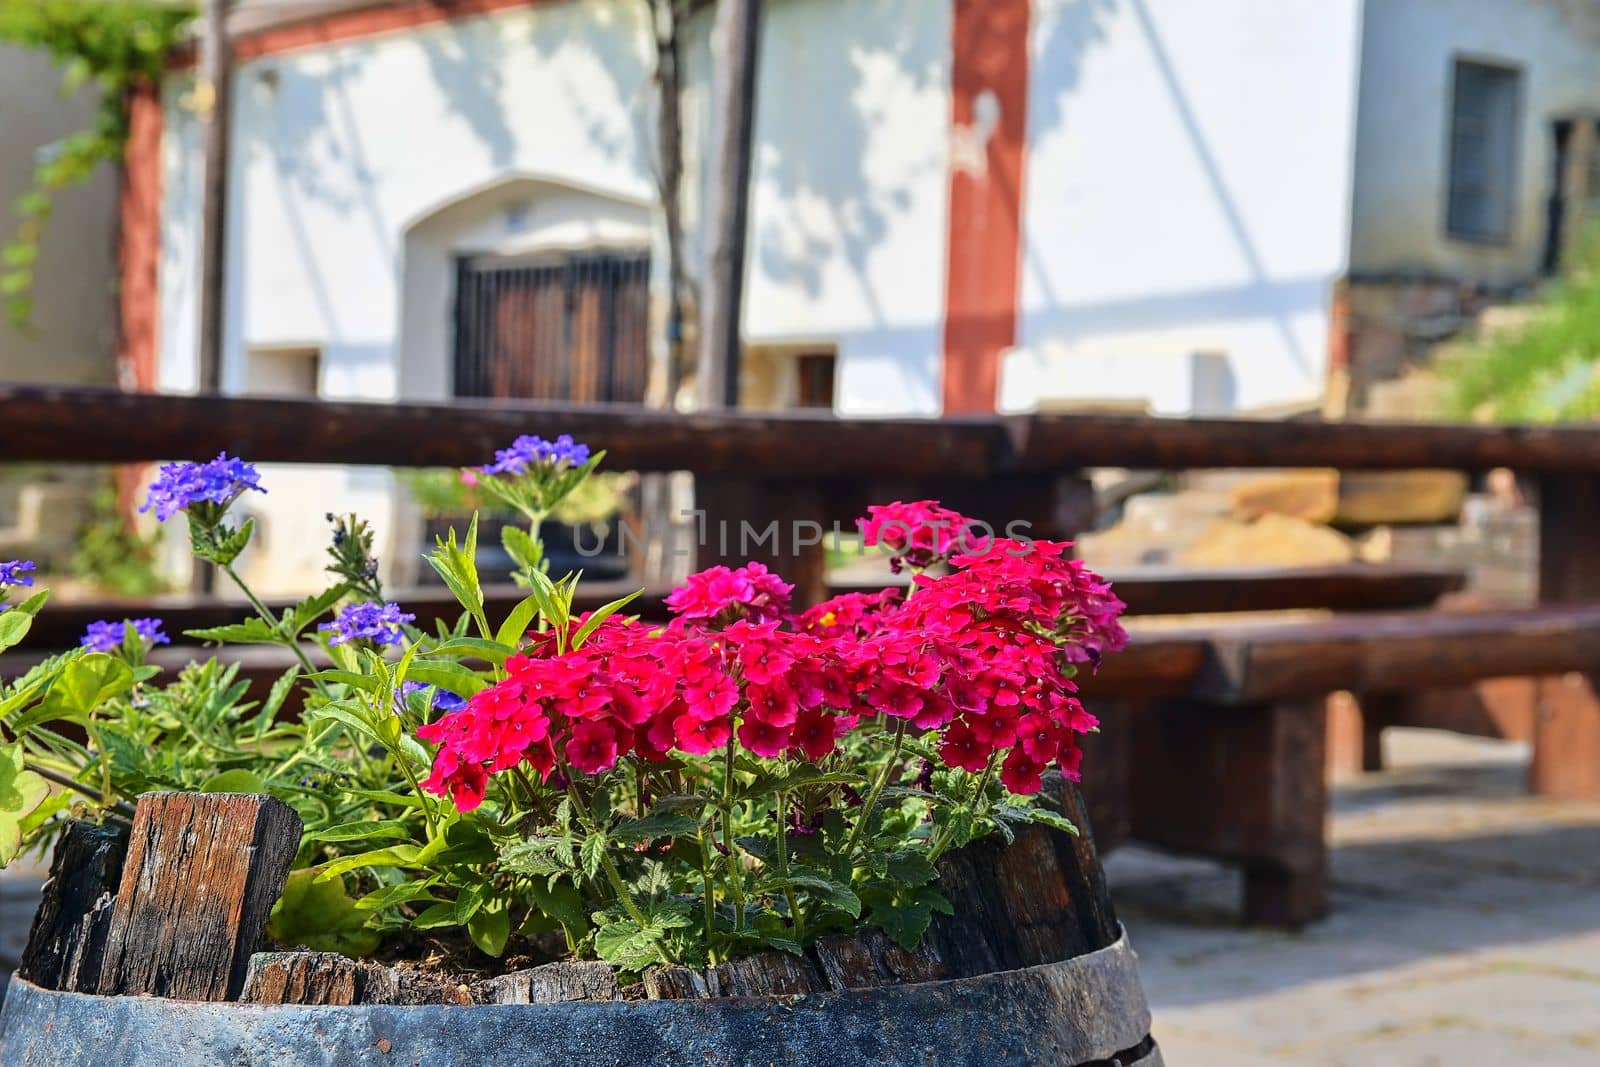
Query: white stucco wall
{"x":850,"y":192}
{"x":1402,"y":147}
{"x":72,"y":331}
{"x":1187,"y":190}
{"x":340,"y":153}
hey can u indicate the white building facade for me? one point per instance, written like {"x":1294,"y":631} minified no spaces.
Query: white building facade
{"x":1182,"y":189}
{"x":957,"y":205}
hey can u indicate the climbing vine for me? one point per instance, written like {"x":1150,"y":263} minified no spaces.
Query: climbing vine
{"x":112,"y":45}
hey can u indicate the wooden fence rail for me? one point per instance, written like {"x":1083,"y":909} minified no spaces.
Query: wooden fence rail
{"x":40,"y":424}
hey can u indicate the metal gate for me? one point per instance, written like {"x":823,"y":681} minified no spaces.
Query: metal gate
{"x":556,"y":327}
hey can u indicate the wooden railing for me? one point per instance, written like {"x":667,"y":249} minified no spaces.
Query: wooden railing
{"x":818,"y":467}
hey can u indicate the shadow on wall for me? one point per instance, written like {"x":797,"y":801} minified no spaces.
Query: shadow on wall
{"x":838,"y":185}
{"x":1070,"y":29}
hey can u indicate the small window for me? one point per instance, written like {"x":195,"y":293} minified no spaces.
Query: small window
{"x":293,"y":372}
{"x":814,"y":380}
{"x":1483,"y":151}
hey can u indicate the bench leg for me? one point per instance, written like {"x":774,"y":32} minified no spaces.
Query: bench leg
{"x":1278,"y":895}
{"x":1245,"y":784}
{"x":1566,"y":739}
{"x":1355,"y":735}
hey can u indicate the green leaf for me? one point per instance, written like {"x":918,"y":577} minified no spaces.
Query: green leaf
{"x":237,"y":780}
{"x":387,"y":796}
{"x":442,"y":674}
{"x":473,"y":647}
{"x":1044,"y":816}
{"x":313,"y":608}
{"x":17,"y":620}
{"x":84,"y":685}
{"x":625,"y":944}
{"x":591,"y":853}
{"x":363,"y":831}
{"x":457,"y":566}
{"x":320,"y":915}
{"x":21,"y":791}
{"x":525,"y":551}
{"x":436,"y":915}
{"x":550,"y":604}
{"x":911,"y":868}
{"x":904,"y":923}
{"x":350,"y":714}
{"x":600,"y":615}
{"x":365,"y":683}
{"x":656,"y":824}
{"x":563,"y":903}
{"x":490,"y":926}
{"x":516,"y":624}
{"x":251,"y":631}
{"x":392,"y":856}
{"x":825,"y":889}
{"x":404,"y":893}
{"x":768,"y":782}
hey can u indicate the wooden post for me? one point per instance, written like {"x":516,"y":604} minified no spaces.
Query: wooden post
{"x":1566,"y":728}
{"x":738,"y":35}
{"x":215,"y":83}
{"x":202,"y":873}
{"x":1355,"y":731}
{"x":781,"y":524}
{"x":68,"y":938}
{"x":1243,"y":783}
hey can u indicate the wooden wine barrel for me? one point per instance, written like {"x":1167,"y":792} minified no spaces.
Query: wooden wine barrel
{"x":1032,"y":969}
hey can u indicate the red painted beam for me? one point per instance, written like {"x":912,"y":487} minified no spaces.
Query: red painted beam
{"x":988,"y":149}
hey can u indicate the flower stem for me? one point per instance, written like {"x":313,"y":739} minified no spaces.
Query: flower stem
{"x":277,"y":626}
{"x":877,"y":789}
{"x":119,"y":806}
{"x":783,"y":865}
{"x":941,"y":840}
{"x":735,"y":876}
{"x":710,"y":887}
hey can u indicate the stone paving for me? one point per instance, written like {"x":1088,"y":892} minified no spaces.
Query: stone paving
{"x":1465,"y":930}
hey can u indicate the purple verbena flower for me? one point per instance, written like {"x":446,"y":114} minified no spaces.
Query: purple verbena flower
{"x":378,"y":622}
{"x":15,"y":572}
{"x":182,"y":485}
{"x":106,"y":636}
{"x":528,"y":450}
{"x":443,"y":699}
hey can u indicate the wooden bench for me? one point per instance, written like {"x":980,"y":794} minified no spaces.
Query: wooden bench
{"x":1215,"y":735}
{"x":1233,"y":766}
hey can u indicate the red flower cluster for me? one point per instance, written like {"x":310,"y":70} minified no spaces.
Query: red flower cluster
{"x":982,"y":655}
{"x":721,"y":595}
{"x":920,"y":533}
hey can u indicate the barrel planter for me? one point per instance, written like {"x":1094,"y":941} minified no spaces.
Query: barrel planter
{"x":1031,"y":969}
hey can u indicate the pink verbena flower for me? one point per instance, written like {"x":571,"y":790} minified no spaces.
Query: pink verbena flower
{"x":721,"y":595}
{"x":920,"y":533}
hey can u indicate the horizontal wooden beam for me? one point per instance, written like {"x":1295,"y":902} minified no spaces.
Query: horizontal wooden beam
{"x":42,"y":424}
{"x":1338,"y":587}
{"x":1394,"y":652}
{"x":106,"y":426}
{"x":1088,"y":440}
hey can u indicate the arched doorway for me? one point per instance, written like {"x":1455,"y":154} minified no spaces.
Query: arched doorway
{"x":528,"y":289}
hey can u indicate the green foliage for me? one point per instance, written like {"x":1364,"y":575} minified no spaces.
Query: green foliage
{"x":1546,"y":371}
{"x":321,"y":916}
{"x":21,"y":791}
{"x":111,"y":45}
{"x":112,"y":554}
{"x":686,"y":859}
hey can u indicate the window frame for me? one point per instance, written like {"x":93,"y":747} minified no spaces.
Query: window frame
{"x":1502,"y":233}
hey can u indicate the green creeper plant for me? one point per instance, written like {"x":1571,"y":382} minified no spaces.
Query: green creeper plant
{"x":111,"y":45}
